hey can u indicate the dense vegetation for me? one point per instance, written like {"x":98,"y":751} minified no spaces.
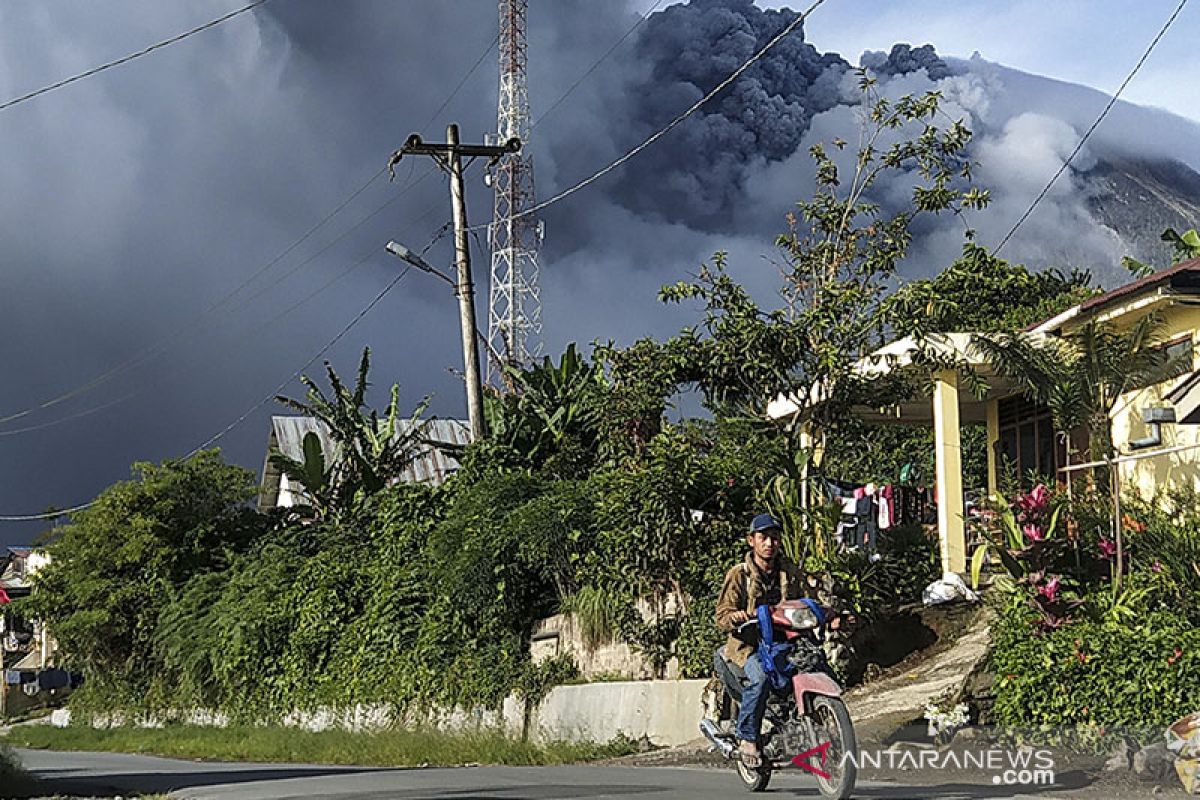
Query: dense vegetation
{"x":172,"y":593}
{"x":1084,"y":640}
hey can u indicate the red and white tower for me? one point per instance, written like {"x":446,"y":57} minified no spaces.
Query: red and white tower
{"x":515,"y":308}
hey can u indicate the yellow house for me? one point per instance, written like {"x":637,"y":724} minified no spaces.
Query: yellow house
{"x":1156,"y":429}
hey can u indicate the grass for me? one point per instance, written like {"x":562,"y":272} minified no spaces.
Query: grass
{"x":392,"y":748}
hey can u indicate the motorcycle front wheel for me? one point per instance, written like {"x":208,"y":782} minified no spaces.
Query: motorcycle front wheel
{"x":755,"y":780}
{"x":833,"y":725}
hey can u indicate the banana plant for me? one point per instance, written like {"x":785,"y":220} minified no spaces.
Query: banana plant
{"x":369,"y":451}
{"x":311,"y":473}
{"x":549,"y":404}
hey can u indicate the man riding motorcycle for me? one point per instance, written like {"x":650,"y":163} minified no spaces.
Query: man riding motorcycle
{"x":765,"y":577}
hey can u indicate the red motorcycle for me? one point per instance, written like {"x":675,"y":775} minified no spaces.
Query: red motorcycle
{"x":806,"y":724}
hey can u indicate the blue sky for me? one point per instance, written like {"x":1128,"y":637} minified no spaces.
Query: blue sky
{"x":1093,"y":42}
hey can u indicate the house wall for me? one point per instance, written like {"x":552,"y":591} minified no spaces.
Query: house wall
{"x":1151,"y":475}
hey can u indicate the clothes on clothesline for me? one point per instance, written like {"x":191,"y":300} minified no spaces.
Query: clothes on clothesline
{"x":869,"y":509}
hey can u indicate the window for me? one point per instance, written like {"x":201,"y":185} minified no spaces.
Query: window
{"x":1027,"y":440}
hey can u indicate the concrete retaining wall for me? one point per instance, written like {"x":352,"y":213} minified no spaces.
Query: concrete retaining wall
{"x":666,"y":712}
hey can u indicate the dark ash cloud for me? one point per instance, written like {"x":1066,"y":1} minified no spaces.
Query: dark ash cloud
{"x":137,"y":199}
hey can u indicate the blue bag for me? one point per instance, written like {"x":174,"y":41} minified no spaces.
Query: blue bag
{"x":772,"y":656}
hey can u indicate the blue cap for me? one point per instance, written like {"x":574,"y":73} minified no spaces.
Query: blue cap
{"x":764,"y":522}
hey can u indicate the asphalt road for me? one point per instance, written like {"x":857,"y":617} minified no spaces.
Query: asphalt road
{"x":109,"y":775}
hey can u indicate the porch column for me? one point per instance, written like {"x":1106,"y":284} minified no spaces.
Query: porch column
{"x":993,"y":441}
{"x":806,"y":443}
{"x":948,"y":457}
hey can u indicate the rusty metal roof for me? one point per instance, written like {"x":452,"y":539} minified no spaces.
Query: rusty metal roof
{"x":1173,"y":275}
{"x":1184,"y":276}
{"x":432,"y":465}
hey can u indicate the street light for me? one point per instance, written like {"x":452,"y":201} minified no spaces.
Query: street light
{"x":402,"y":252}
{"x":466,"y":322}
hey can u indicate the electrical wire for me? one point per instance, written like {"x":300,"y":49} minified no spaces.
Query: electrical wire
{"x":244,"y":416}
{"x":148,"y":353}
{"x":737,"y":73}
{"x":269,"y":323}
{"x":437,"y":236}
{"x":52,"y":423}
{"x":433,"y":117}
{"x":126,"y":59}
{"x":1112,"y":101}
{"x":275,"y":393}
{"x":596,"y":65}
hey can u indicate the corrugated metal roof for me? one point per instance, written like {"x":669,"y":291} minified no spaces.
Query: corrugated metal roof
{"x":1183,"y":276}
{"x":1153,"y":279}
{"x":432,"y":465}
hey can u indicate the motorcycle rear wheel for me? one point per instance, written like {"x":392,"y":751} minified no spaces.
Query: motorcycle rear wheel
{"x":755,"y":780}
{"x":831,"y":715}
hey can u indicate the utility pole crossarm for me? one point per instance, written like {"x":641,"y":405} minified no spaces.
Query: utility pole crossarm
{"x":416,"y":146}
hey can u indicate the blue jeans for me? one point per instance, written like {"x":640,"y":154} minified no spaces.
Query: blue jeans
{"x":754,"y":700}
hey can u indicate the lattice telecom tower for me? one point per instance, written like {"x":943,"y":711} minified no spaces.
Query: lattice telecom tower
{"x":515,"y":307}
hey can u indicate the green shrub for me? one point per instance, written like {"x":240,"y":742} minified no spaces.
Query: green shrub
{"x":910,"y":561}
{"x":1095,"y":673}
{"x":1163,"y":537}
{"x":698,"y":638}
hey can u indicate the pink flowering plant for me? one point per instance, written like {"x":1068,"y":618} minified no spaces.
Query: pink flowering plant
{"x":1025,"y":537}
{"x":1022,"y":534}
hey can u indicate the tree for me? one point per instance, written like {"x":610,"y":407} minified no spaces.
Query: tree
{"x":370,"y":451}
{"x":838,"y":256}
{"x":980,"y":293}
{"x":1184,"y":246}
{"x":120,"y":562}
{"x":553,"y":409}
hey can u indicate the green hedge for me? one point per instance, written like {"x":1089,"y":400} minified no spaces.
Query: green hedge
{"x":1096,"y":673}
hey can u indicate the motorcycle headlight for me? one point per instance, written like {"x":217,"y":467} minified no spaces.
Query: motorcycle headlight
{"x":801,"y":618}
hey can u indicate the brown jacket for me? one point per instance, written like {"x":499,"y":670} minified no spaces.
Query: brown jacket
{"x":744,"y":585}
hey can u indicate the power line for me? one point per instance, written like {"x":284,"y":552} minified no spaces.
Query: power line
{"x":150,"y":352}
{"x":131,"y":56}
{"x":69,"y":417}
{"x":596,"y":65}
{"x":1111,"y":102}
{"x":147,"y":354}
{"x":243,"y":417}
{"x":261,"y":326}
{"x":433,"y":117}
{"x":213,"y":439}
{"x":737,"y":73}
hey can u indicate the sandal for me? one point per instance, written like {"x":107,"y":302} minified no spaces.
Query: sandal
{"x":751,"y":760}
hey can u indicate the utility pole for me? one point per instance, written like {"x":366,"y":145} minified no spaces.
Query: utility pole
{"x":449,"y":157}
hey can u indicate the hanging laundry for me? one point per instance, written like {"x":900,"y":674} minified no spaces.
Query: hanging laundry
{"x":53,"y":679}
{"x":885,"y":508}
